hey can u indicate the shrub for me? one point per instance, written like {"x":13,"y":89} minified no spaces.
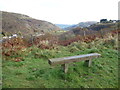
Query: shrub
{"x":74,"y":49}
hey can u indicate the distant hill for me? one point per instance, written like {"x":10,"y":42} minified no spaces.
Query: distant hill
{"x":86,"y":24}
{"x":101,"y":28}
{"x":25,"y":25}
{"x":81,"y":24}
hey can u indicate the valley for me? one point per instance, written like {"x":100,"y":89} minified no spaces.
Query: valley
{"x":27,"y":44}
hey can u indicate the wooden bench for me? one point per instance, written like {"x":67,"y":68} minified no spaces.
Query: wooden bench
{"x":66,"y":60}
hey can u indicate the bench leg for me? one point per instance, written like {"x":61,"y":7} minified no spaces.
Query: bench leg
{"x":65,"y":67}
{"x":88,"y":63}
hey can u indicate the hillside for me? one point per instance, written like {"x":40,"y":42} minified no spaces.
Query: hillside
{"x":76,"y":32}
{"x":25,"y":63}
{"x":27,"y":67}
{"x":25,"y":25}
{"x":81,"y":24}
{"x":98,"y":28}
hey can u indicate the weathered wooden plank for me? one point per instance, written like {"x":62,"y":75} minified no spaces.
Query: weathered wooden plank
{"x":71,"y":59}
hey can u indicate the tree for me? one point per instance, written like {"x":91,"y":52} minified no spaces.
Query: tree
{"x":103,"y":21}
{"x":3,"y":33}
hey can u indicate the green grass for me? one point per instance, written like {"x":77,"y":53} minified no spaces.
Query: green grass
{"x":35,"y":72}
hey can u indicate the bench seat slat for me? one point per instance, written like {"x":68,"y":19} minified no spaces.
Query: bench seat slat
{"x":73,"y":58}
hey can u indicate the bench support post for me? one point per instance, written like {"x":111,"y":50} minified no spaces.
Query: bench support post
{"x":88,"y":63}
{"x":65,"y":67}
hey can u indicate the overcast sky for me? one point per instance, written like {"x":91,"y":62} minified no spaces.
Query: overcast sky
{"x":63,"y":11}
